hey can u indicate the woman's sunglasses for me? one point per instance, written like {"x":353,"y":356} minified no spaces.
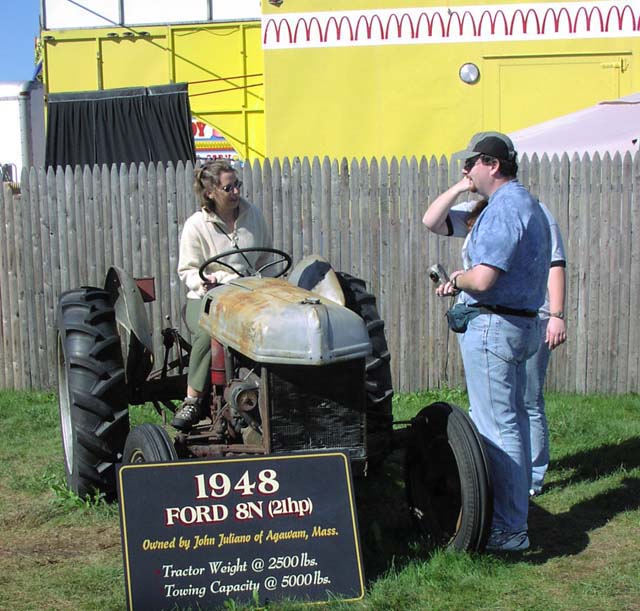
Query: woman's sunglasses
{"x":228,"y":188}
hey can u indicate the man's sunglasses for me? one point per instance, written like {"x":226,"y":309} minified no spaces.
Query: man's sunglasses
{"x":469,"y":163}
{"x":228,"y":188}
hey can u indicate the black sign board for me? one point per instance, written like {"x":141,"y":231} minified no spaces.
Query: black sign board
{"x":197,"y":533}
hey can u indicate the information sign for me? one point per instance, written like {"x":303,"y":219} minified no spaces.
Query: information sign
{"x":197,"y":533}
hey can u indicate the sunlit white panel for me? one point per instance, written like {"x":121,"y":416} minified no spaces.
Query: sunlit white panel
{"x":61,"y":14}
{"x":236,"y":9}
{"x":164,"y":11}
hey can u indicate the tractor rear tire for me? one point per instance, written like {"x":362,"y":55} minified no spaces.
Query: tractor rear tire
{"x":148,"y":443}
{"x":447,"y":479}
{"x":378,"y":384}
{"x":92,"y":390}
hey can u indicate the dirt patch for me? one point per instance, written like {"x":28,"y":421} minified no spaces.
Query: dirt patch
{"x":54,"y":540}
{"x":62,"y":544}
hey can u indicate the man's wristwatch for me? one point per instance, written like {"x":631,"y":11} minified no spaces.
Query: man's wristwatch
{"x":559,"y":314}
{"x":454,"y":282}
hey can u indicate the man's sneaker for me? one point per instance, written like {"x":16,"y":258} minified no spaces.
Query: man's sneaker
{"x":187,"y":414}
{"x":505,"y":541}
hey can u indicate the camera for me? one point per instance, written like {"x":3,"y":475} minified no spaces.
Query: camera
{"x":438,"y":275}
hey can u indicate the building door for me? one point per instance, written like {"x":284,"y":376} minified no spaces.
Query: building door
{"x":520,"y":91}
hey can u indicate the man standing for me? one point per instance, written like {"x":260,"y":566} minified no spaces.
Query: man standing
{"x":509,"y":252}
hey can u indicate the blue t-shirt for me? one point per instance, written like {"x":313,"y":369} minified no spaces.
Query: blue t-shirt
{"x":457,"y":226}
{"x":512,"y":234}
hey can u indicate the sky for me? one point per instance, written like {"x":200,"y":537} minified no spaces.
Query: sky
{"x":19,"y":26}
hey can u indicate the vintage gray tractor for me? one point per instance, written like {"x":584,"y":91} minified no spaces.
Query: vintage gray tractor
{"x":297,"y":364}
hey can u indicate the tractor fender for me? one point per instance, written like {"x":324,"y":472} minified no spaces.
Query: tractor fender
{"x":130,"y":313}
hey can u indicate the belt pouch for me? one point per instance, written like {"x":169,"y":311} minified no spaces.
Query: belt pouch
{"x":459,"y":315}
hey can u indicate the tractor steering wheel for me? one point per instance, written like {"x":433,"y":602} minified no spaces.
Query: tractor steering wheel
{"x":284,"y":258}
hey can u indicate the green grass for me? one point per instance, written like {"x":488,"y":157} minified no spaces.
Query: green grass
{"x":59,"y":552}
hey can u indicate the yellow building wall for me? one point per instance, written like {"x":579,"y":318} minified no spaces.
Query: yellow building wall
{"x":393,"y":97}
{"x":222,"y":62}
{"x":341,"y":99}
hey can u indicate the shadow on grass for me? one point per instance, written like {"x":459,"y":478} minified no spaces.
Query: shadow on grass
{"x":597,"y":462}
{"x":389,"y":539}
{"x":568,"y":533}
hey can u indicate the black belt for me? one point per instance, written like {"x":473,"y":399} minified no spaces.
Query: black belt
{"x":498,"y":309}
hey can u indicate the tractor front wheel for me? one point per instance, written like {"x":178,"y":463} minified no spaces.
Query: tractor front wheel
{"x":447,"y":479}
{"x":148,"y":443}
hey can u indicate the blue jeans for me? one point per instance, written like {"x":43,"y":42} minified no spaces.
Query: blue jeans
{"x":494,"y":351}
{"x":534,"y":403}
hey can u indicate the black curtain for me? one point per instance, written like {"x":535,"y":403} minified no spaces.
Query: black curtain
{"x":137,"y":125}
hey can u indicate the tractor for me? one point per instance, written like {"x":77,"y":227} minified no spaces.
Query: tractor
{"x":298,"y":363}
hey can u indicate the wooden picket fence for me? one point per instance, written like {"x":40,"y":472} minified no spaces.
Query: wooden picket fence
{"x":67,"y":227}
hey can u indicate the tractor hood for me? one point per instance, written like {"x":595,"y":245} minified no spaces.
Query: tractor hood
{"x":272,"y":321}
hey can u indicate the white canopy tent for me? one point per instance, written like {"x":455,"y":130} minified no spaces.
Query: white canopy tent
{"x":612,"y":126}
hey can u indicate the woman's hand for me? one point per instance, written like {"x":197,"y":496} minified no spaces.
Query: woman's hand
{"x":210,"y":282}
{"x":216,"y":278}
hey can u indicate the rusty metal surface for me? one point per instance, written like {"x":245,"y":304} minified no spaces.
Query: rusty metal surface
{"x":263,"y":400}
{"x":271,"y":321}
{"x":147,"y":288}
{"x":224,"y":450}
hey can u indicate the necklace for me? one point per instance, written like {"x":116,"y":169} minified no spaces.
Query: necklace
{"x":233,"y":238}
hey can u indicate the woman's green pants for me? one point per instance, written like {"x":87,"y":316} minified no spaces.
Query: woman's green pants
{"x":200,"y":358}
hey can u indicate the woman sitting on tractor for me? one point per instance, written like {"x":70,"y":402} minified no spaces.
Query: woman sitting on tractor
{"x":225,"y":222}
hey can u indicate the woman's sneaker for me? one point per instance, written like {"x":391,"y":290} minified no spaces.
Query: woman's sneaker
{"x":505,"y":541}
{"x":187,"y":415}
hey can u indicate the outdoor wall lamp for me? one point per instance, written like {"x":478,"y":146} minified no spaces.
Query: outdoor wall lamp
{"x":469,"y":73}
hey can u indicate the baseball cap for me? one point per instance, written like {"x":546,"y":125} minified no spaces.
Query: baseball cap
{"x":494,"y":144}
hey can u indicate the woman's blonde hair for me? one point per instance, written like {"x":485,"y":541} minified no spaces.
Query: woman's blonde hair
{"x":207,"y":176}
{"x":475,"y":213}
